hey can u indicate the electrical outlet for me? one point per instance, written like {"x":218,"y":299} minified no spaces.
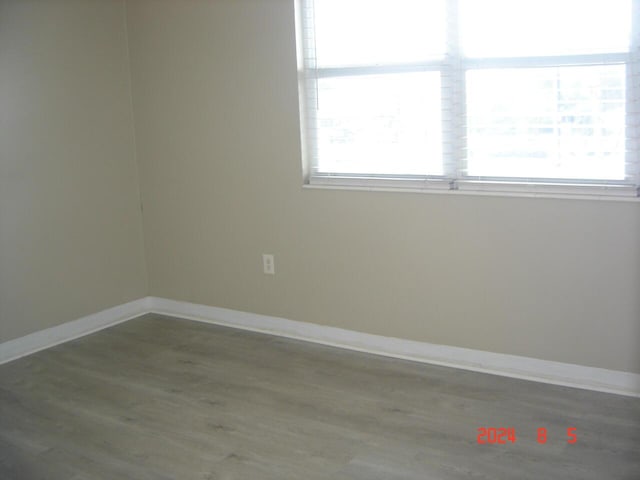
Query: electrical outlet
{"x":268,"y":264}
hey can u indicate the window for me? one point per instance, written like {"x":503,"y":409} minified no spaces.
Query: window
{"x":499,"y":95}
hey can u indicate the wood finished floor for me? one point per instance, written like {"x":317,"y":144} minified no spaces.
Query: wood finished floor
{"x":162,"y":398}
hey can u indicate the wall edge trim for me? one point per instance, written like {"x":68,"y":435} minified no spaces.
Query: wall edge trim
{"x":65,"y":332}
{"x":513,"y":366}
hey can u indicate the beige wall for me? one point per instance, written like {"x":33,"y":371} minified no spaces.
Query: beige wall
{"x":70,"y":226}
{"x":214,"y":86}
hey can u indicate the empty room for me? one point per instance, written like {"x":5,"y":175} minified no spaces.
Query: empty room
{"x":319,"y":239}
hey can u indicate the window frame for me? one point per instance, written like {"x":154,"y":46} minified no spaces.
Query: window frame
{"x":453,"y":68}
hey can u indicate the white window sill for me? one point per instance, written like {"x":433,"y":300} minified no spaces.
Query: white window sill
{"x":619,"y":193}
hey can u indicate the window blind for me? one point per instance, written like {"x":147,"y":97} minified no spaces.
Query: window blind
{"x":496,"y":95}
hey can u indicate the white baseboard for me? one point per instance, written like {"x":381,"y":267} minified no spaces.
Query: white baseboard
{"x":545,"y":371}
{"x":34,"y":342}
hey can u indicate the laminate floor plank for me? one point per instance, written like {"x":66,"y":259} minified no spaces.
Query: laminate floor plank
{"x":165,"y":398}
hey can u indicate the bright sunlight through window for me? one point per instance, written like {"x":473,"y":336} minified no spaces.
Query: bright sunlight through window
{"x":507,"y":95}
